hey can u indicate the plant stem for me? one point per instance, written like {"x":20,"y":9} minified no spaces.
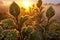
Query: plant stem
{"x":46,"y":28}
{"x":19,"y":29}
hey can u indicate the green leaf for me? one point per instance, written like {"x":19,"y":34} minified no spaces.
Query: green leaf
{"x":50,"y":12}
{"x":39,"y":3}
{"x":29,"y":30}
{"x":23,"y":19}
{"x":14,"y":9}
{"x":35,"y":36}
{"x":10,"y":34}
{"x":53,"y":35}
{"x":24,"y":32}
{"x":9,"y":22}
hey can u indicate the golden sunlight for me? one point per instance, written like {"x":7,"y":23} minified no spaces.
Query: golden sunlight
{"x":26,"y":4}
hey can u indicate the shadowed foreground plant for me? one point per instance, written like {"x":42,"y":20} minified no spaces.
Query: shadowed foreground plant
{"x":11,"y":34}
{"x":46,"y":29}
{"x":8,"y":31}
{"x":8,"y":24}
{"x":41,"y":30}
{"x":29,"y":33}
{"x":15,"y":11}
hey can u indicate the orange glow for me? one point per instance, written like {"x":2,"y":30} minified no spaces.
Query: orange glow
{"x":26,"y":4}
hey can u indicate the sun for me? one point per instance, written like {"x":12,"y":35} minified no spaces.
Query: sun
{"x":26,"y":4}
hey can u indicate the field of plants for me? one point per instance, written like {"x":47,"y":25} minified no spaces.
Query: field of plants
{"x":29,"y":25}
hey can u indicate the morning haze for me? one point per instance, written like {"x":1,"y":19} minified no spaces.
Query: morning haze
{"x":47,"y":1}
{"x":56,"y":7}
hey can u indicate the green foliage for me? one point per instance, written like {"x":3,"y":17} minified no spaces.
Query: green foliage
{"x":35,"y":36}
{"x":8,"y":24}
{"x":54,"y":32}
{"x":14,"y":9}
{"x":23,"y":19}
{"x":53,"y":35}
{"x":29,"y":30}
{"x":10,"y":34}
{"x":50,"y":12}
{"x":26,"y":31}
{"x":30,"y":33}
{"x":38,"y":31}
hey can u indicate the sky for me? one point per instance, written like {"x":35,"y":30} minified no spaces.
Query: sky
{"x":52,"y":1}
{"x":46,"y":1}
